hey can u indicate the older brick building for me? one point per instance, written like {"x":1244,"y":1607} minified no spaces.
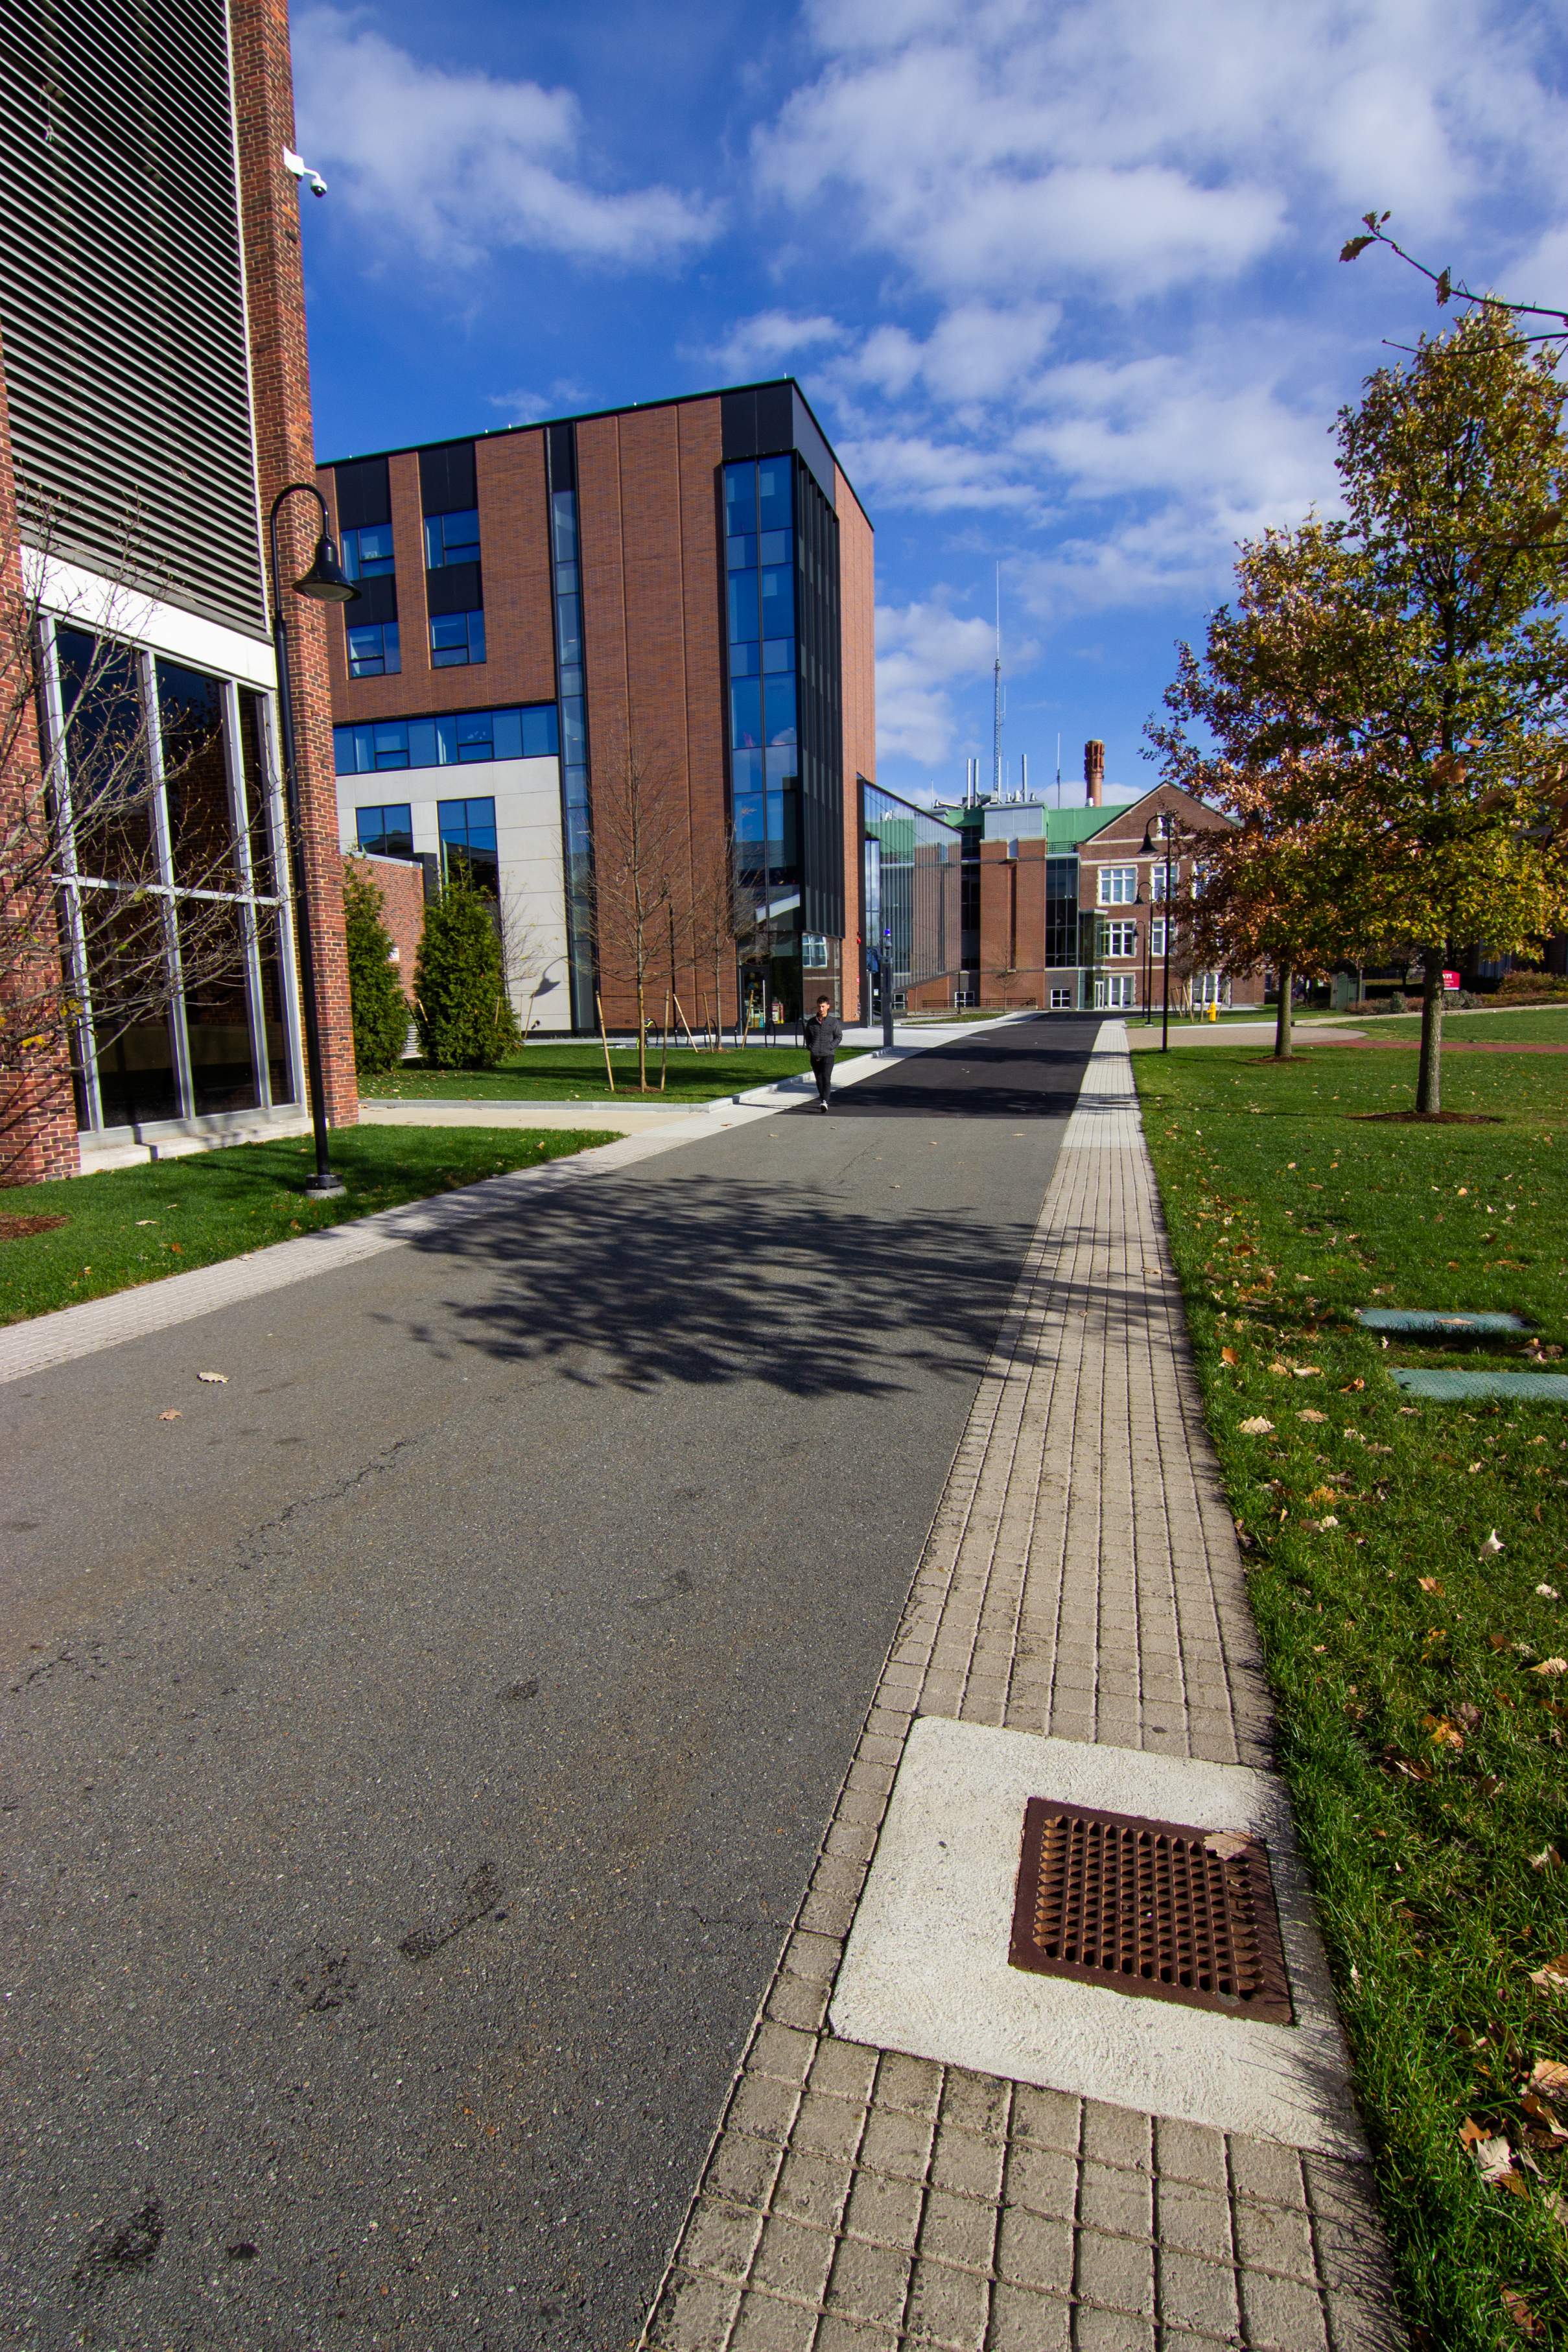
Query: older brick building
{"x":680,"y":591}
{"x":154,"y":397}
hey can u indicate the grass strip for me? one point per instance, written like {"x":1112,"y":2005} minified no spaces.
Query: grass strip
{"x":1408,"y":1568}
{"x":1522,"y":1026}
{"x":129,"y":1225}
{"x":575,"y":1073}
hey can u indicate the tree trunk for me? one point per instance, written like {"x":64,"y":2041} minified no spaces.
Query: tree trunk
{"x":604,"y":1040}
{"x":1430,"y":1082}
{"x":642,"y":1024}
{"x":1283,"y":1049}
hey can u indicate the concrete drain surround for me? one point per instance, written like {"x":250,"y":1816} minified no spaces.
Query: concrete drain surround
{"x":928,"y":1967}
{"x":1453,"y":1387}
{"x":1460,"y":1324}
{"x":1156,"y":1910}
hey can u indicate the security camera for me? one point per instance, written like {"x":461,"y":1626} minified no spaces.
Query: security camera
{"x":300,"y":169}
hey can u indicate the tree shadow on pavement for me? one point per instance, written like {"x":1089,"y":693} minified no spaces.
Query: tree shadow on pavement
{"x":1032,"y":1071}
{"x":709,"y":1280}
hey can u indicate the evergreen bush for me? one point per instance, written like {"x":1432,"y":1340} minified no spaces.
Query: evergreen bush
{"x":464,"y":1015}
{"x":375,"y":992}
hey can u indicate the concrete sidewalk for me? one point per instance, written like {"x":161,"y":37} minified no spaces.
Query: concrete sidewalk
{"x":1082,"y":1593}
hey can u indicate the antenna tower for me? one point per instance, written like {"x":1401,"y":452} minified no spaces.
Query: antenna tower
{"x":996,"y":720}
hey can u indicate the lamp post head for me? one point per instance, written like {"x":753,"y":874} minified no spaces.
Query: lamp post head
{"x":326,"y":583}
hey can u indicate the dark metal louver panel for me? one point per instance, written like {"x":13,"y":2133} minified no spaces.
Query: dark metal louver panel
{"x":121,"y":295}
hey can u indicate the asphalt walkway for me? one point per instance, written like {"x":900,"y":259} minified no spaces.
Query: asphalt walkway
{"x":413,"y":1754}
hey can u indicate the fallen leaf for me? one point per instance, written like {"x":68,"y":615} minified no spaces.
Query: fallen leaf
{"x":1468,"y":1716}
{"x":1321,"y":1494}
{"x":1519,"y":2310}
{"x":1491,"y":1546}
{"x":1556,"y":2208}
{"x":172,"y":1414}
{"x":214,"y":1379}
{"x":1257,"y":1426}
{"x":1430,"y":1583}
{"x":1494,"y":2158}
{"x":1226,"y":1844}
{"x":1328,"y":1520}
{"x":1548,"y":2074}
{"x":1553,"y":1975}
{"x":1350,"y":1386}
{"x":1549,"y":1666}
{"x":1228,"y":1356}
{"x":1309,"y":1371}
{"x":146,"y":1221}
{"x":1535,"y":2107}
{"x":1276,"y":1366}
{"x":1548,"y":1859}
{"x":1498,"y":1641}
{"x":1444,"y":1733}
{"x":1547,"y":1591}
{"x":1310,"y":1412}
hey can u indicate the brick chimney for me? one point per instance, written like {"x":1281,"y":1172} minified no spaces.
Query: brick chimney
{"x":1095,"y":771}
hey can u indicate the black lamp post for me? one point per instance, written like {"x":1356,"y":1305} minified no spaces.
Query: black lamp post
{"x":1166,"y":827}
{"x":325,"y":582}
{"x":1149,"y":949}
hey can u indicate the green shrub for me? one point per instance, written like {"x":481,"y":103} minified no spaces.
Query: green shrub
{"x":1532,"y":987}
{"x":375,"y":992}
{"x":464,"y":1015}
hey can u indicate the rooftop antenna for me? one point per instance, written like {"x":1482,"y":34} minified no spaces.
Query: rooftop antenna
{"x":1023,"y":776}
{"x":1059,"y":770}
{"x":997,"y":722}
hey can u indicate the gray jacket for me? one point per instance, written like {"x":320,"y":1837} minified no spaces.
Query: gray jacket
{"x":824,"y":1035}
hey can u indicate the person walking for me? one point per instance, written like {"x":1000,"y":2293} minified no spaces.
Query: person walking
{"x":824,"y":1035}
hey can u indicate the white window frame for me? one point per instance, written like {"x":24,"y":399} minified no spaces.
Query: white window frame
{"x":1062,"y":1000}
{"x":1116,"y":992}
{"x":1119,"y":942}
{"x":1118,"y":886}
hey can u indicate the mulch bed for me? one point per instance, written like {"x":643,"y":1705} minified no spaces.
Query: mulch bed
{"x":17,"y":1229}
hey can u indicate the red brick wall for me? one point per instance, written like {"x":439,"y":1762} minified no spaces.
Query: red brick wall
{"x":857,"y":598}
{"x":647,"y":515}
{"x":519,"y":616}
{"x":37,"y":1110}
{"x":402,"y":886}
{"x":280,"y":379}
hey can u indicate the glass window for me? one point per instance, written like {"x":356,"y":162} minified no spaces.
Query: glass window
{"x":780,"y":708}
{"x":391,"y":745}
{"x":775,"y":504}
{"x":1118,"y":886}
{"x":258,"y":772}
{"x":569,"y":628}
{"x":456,"y":639}
{"x":474,"y":735}
{"x":775,"y":547}
{"x":740,"y":496}
{"x":746,"y":712}
{"x":563,"y":525}
{"x":451,"y":539}
{"x":740,"y":551}
{"x":217,"y":1011}
{"x":779,"y":653}
{"x":743,"y":607}
{"x":813,"y":952}
{"x":196,"y":782}
{"x":745,"y":661}
{"x":467,"y":830}
{"x":1157,"y":938}
{"x":367,"y":551}
{"x":374,"y":650}
{"x":387,"y":831}
{"x":745,"y":768}
{"x":530,"y":732}
{"x":779,"y":602}
{"x":1119,"y":940}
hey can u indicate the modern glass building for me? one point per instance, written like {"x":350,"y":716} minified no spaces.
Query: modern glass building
{"x":682,"y":592}
{"x":914,"y":897}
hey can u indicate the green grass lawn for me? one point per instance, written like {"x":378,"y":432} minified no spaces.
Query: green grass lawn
{"x":575,"y":1073}
{"x":1521,"y":1024}
{"x":1424,"y":1747}
{"x":131,"y":1226}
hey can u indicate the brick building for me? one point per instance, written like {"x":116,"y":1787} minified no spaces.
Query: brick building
{"x":154,"y":397}
{"x":676,"y":596}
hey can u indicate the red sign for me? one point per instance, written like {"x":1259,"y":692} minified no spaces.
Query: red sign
{"x":1453,"y":982}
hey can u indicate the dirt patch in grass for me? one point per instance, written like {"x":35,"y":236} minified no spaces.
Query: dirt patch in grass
{"x":17,"y":1229}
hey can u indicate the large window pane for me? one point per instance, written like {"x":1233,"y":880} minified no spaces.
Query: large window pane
{"x":779,"y":602}
{"x":775,"y":505}
{"x":746,"y":712}
{"x":128,"y":979}
{"x":563,"y":525}
{"x":106,"y":755}
{"x":743,"y":607}
{"x":195,"y":779}
{"x":256,"y":770}
{"x":569,"y":626}
{"x":386,"y":832}
{"x":740,"y":497}
{"x":280,"y":1077}
{"x":451,"y":539}
{"x":217,"y":1015}
{"x":367,"y":551}
{"x":780,"y":710}
{"x":467,"y":831}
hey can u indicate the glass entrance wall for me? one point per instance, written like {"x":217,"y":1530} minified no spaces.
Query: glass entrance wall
{"x":170,"y":812}
{"x":913,"y":892}
{"x":572,"y":689}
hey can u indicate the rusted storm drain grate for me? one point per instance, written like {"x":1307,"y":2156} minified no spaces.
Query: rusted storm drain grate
{"x":1150,"y":1907}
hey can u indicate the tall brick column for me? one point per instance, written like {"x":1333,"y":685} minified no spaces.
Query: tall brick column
{"x":38,"y":1112}
{"x":284,"y":451}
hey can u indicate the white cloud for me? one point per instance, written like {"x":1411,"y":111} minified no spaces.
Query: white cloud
{"x":1107,"y":145}
{"x":976,"y":352}
{"x":907,"y":469}
{"x":448,"y":165}
{"x":771,"y":339}
{"x":921,"y":650}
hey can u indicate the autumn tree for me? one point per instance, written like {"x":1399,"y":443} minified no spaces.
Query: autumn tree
{"x":722,"y":914}
{"x":1455,"y":476}
{"x":1288,"y":882}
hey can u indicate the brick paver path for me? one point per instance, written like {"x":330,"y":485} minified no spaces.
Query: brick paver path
{"x":1081,"y":1577}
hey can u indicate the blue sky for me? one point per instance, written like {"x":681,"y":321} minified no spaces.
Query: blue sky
{"x":1059,"y":276}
